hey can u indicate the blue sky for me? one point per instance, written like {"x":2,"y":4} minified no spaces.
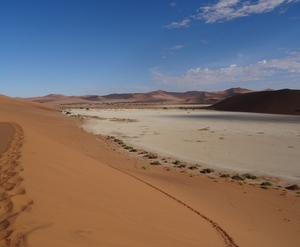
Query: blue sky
{"x":79,"y":47}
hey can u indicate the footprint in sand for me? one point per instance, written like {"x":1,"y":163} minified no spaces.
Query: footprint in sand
{"x":13,"y":199}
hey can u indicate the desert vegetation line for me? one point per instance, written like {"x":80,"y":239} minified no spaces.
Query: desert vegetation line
{"x":229,"y":241}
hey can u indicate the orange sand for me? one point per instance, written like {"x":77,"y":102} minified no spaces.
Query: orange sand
{"x":76,"y":191}
{"x":6,"y":133}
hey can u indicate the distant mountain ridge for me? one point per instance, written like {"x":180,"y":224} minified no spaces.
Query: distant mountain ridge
{"x":159,"y":96}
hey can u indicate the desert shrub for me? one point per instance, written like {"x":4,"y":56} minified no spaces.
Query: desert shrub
{"x":249,"y":176}
{"x":151,"y":156}
{"x":133,"y":150}
{"x":177,"y":162}
{"x":68,"y":113}
{"x":293,"y":187}
{"x":207,"y":170}
{"x":147,"y":168}
{"x":225,"y":176}
{"x":155,"y":163}
{"x":119,"y":141}
{"x":266,"y":184}
{"x":181,"y":165}
{"x":238,"y":177}
{"x":193,"y":167}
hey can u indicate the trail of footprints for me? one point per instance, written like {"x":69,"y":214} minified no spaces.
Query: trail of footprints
{"x":13,"y":200}
{"x":255,"y":227}
{"x":227,"y":239}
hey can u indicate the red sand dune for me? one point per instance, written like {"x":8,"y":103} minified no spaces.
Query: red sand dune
{"x":63,"y":187}
{"x":283,"y":101}
{"x":155,"y":96}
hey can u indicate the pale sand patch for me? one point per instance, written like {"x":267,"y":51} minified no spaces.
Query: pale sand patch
{"x":244,"y":142}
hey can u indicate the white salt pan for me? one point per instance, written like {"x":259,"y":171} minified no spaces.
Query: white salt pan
{"x":246,"y":142}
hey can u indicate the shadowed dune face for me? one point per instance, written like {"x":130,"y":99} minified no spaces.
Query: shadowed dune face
{"x":277,"y":102}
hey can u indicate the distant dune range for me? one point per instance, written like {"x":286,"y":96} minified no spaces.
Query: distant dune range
{"x":191,"y":97}
{"x":283,"y":101}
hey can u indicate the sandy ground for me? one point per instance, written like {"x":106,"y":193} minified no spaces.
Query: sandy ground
{"x":66,"y":187}
{"x":6,"y":133}
{"x":244,"y":142}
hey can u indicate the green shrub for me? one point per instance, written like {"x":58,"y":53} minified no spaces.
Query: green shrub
{"x":147,"y":168}
{"x":207,"y":170}
{"x":266,"y":184}
{"x":249,"y":176}
{"x":225,"y":176}
{"x":155,"y":163}
{"x":151,"y":156}
{"x":238,"y":177}
{"x":119,"y":141}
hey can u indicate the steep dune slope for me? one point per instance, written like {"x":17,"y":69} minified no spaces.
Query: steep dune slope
{"x":284,"y":101}
{"x":76,"y":191}
{"x":78,"y":201}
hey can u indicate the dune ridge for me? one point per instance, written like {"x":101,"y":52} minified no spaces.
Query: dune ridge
{"x":79,"y":199}
{"x":56,"y":194}
{"x":158,"y":96}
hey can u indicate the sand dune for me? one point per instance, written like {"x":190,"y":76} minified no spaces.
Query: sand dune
{"x":76,"y":191}
{"x":158,"y":96}
{"x":6,"y":133}
{"x":13,"y":201}
{"x":283,"y":101}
